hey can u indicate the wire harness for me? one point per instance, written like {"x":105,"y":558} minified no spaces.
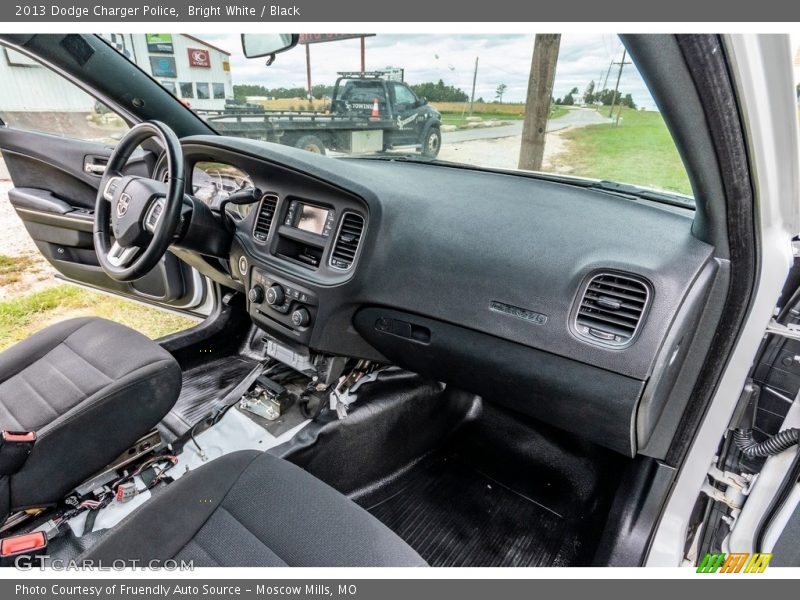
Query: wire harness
{"x":744,"y":440}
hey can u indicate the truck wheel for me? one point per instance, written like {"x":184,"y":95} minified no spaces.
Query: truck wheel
{"x":431,"y":142}
{"x":311,"y":143}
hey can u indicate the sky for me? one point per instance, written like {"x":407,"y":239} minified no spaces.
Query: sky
{"x":450,"y":57}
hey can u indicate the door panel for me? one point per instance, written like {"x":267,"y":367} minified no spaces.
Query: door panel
{"x":55,"y":186}
{"x":406,"y":113}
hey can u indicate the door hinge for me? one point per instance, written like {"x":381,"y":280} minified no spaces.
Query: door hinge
{"x":736,"y":487}
{"x":789,"y":331}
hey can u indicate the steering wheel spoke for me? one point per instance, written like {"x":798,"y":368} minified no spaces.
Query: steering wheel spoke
{"x":120,"y":256}
{"x":136,"y":217}
{"x":153,"y":214}
{"x":111,"y":187}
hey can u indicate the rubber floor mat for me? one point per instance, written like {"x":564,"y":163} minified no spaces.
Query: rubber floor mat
{"x":456,"y":516}
{"x":203,"y":386}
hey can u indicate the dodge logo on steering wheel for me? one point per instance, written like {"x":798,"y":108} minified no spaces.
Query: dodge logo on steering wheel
{"x":122,"y":205}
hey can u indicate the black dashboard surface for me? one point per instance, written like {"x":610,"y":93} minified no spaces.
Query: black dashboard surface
{"x":449,"y":244}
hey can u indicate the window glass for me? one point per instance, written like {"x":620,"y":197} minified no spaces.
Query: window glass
{"x":403,"y":95}
{"x":202,"y":91}
{"x":187,"y":89}
{"x":170,"y":86}
{"x":362,"y":91}
{"x":35,"y":98}
{"x":219,"y":91}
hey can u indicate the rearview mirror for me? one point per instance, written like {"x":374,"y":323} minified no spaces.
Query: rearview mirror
{"x":255,"y":45}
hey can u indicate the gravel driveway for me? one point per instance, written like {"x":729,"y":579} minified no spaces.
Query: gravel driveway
{"x":37,"y":273}
{"x":16,"y":241}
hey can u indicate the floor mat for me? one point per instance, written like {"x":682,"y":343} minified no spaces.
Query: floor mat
{"x":454,"y":515}
{"x":203,"y":386}
{"x":463,"y":481}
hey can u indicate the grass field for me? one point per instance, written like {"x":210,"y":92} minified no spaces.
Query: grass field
{"x":292,"y":104}
{"x":453,"y":113}
{"x":507,"y":110}
{"x":638,"y":151}
{"x":23,"y":315}
{"x":459,"y":118}
{"x":11,"y":269}
{"x":482,"y":108}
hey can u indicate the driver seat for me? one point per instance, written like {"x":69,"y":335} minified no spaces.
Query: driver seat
{"x":88,"y":388}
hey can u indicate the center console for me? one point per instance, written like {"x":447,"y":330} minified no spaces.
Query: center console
{"x":281,"y":304}
{"x":298,"y":246}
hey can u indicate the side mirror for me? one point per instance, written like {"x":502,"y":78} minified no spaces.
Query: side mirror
{"x":255,"y":45}
{"x":423,"y":101}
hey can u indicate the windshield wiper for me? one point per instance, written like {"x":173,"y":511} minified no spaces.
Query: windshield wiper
{"x":412,"y":158}
{"x":632,"y":190}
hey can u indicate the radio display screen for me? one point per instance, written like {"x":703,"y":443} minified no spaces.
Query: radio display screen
{"x":310,"y":218}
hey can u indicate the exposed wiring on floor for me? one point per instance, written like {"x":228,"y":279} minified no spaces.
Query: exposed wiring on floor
{"x":200,"y":451}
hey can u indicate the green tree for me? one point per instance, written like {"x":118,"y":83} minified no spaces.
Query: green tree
{"x":627,"y":100}
{"x":501,"y":89}
{"x":588,"y":93}
{"x":319,"y":91}
{"x":240,"y":92}
{"x":569,"y":99}
{"x":607,"y":97}
{"x":439,"y":92}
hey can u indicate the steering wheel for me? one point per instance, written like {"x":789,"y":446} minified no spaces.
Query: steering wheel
{"x":141,"y":214}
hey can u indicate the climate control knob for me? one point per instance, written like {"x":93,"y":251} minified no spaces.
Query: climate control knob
{"x":256,"y":294}
{"x":300,"y":317}
{"x":275,"y":295}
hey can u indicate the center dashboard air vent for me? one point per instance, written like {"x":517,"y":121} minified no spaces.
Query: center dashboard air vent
{"x":347,"y":240}
{"x":266,"y":213}
{"x":612,"y":308}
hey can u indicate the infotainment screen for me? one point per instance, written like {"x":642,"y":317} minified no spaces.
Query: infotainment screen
{"x":311,"y":218}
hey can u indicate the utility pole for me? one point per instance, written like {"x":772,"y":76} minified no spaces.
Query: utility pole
{"x":621,"y":64}
{"x":474,"y":79}
{"x":605,"y":81}
{"x":537,"y":102}
{"x":308,"y":72}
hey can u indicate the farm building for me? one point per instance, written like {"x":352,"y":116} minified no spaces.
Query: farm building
{"x":195,"y":71}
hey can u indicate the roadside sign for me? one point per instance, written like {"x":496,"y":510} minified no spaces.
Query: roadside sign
{"x":199,"y":57}
{"x":159,"y":43}
{"x":318,"y":38}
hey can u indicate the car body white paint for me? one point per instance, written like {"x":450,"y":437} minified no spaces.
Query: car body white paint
{"x":762,"y":71}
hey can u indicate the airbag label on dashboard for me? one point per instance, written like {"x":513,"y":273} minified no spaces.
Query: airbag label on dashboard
{"x":520,"y":313}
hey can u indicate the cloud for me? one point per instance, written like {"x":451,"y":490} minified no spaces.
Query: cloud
{"x":450,"y":57}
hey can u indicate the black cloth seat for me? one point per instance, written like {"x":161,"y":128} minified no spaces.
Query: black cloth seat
{"x":89,"y":388}
{"x":250,"y":508}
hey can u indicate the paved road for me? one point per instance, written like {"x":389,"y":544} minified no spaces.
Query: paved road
{"x":577,"y":117}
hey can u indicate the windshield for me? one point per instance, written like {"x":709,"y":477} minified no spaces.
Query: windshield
{"x":571,"y":105}
{"x":459,"y":98}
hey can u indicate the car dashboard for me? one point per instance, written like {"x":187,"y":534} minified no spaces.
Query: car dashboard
{"x":572,"y":305}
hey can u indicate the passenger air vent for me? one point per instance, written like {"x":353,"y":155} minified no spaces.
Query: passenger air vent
{"x":612,"y":308}
{"x":347,"y":240}
{"x":266,"y":212}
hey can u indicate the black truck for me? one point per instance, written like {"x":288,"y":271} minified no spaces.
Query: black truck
{"x":368,"y":113}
